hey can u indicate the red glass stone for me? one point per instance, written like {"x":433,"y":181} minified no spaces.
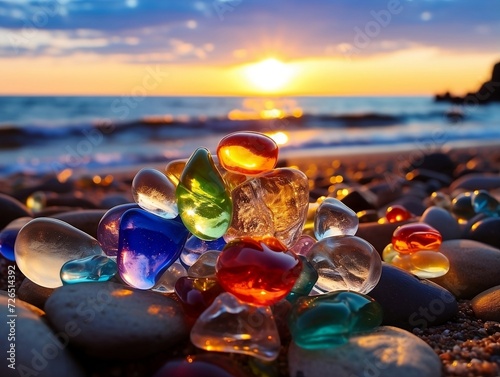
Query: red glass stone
{"x":397,"y":213}
{"x":410,"y":238}
{"x":249,"y":153}
{"x":260,"y":271}
{"x":196,"y":294}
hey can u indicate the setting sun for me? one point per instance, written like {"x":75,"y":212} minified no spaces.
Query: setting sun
{"x":269,"y":75}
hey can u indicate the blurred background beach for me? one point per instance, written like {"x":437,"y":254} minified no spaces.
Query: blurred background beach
{"x":89,"y":85}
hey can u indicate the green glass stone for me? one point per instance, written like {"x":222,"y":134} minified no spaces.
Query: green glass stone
{"x":305,"y":283}
{"x":328,"y":320}
{"x":203,"y":200}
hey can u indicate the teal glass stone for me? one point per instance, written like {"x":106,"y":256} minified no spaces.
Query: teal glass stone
{"x":305,"y":283}
{"x":94,"y":268}
{"x":329,"y":320}
{"x":203,"y":199}
{"x":484,"y":203}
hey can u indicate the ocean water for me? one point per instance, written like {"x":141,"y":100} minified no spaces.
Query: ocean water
{"x":40,"y":135}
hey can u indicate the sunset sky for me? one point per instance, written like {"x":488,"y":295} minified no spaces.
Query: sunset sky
{"x":247,"y":47}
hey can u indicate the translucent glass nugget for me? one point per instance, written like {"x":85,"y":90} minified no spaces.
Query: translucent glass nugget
{"x":148,"y":245}
{"x":248,"y":153}
{"x":410,"y":238}
{"x":197,"y":294}
{"x":204,"y":267}
{"x":328,"y":320}
{"x":483,"y":202}
{"x":303,"y":245}
{"x":195,"y":248}
{"x":167,"y":281}
{"x":8,"y":237}
{"x":345,"y":262}
{"x":44,"y":244}
{"x":258,"y":271}
{"x":305,"y":282}
{"x":273,"y":204}
{"x":202,"y":197}
{"x":109,"y":226}
{"x":397,"y":213}
{"x":230,"y":325}
{"x":334,"y":218}
{"x":94,"y":268}
{"x":155,"y":193}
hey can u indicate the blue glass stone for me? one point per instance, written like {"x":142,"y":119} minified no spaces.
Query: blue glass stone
{"x":305,"y":283}
{"x":328,"y":320}
{"x":8,"y":237}
{"x":148,"y":245}
{"x":109,"y":226}
{"x":483,"y":202}
{"x":94,"y":268}
{"x":195,"y":246}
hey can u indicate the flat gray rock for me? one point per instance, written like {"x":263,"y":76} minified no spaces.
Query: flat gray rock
{"x":443,"y":221}
{"x":113,"y":321}
{"x":387,"y":351}
{"x":486,"y":305}
{"x":474,"y":268}
{"x":38,"y":351}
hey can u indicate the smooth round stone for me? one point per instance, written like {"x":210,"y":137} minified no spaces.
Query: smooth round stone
{"x":33,"y":294}
{"x":410,"y":238}
{"x":486,"y":230}
{"x":329,"y":320}
{"x":442,"y":220}
{"x":397,"y":213}
{"x":461,"y":206}
{"x":167,"y":281}
{"x":474,"y":267}
{"x":345,"y":263}
{"x":483,"y":202}
{"x":155,"y":193}
{"x":409,"y":302}
{"x":194,"y":248}
{"x":94,"y":268}
{"x":486,"y":305}
{"x":379,"y":235}
{"x":109,"y":227}
{"x":12,"y":209}
{"x":203,"y":200}
{"x":476,"y":182}
{"x":203,"y":365}
{"x":44,"y":245}
{"x":258,"y":271}
{"x":440,"y":199}
{"x":334,"y":218}
{"x":148,"y":245}
{"x":367,"y":216}
{"x":86,"y":220}
{"x":8,"y":237}
{"x":386,"y":351}
{"x":39,"y":351}
{"x":249,"y":153}
{"x":359,"y":200}
{"x":204,"y":267}
{"x":113,"y":321}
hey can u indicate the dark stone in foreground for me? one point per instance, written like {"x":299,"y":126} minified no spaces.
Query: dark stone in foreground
{"x":486,"y":230}
{"x":85,"y":220}
{"x":409,"y":302}
{"x":33,"y":293}
{"x":486,"y":305}
{"x":11,"y":209}
{"x":113,"y":321}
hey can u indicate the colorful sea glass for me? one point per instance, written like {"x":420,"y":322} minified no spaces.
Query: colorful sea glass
{"x":328,"y":320}
{"x":44,"y":244}
{"x":109,"y":226}
{"x":303,"y":245}
{"x":413,"y":237}
{"x":440,"y":199}
{"x":148,"y":245}
{"x":230,"y":325}
{"x":258,"y":271}
{"x":397,"y":213}
{"x":167,"y":281}
{"x":155,"y":193}
{"x":334,"y":218}
{"x":203,"y":199}
{"x":94,"y":268}
{"x":461,"y":207}
{"x":8,"y":237}
{"x":173,"y":171}
{"x":196,"y":294}
{"x":195,"y":247}
{"x":483,"y":202}
{"x":305,"y":282}
{"x":424,"y":263}
{"x":274,"y":204}
{"x":204,"y":267}
{"x":345,"y":263}
{"x":249,"y":153}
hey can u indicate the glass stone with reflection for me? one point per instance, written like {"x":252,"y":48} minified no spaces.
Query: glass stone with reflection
{"x":231,"y":325}
{"x":148,"y":245}
{"x":44,"y":245}
{"x":155,"y":193}
{"x":249,"y":153}
{"x":203,"y":199}
{"x":108,"y":227}
{"x":334,"y":218}
{"x":94,"y":268}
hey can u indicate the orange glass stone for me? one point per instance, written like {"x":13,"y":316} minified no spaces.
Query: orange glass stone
{"x":249,"y":153}
{"x":259,"y":271}
{"x":397,"y":213}
{"x":410,"y":238}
